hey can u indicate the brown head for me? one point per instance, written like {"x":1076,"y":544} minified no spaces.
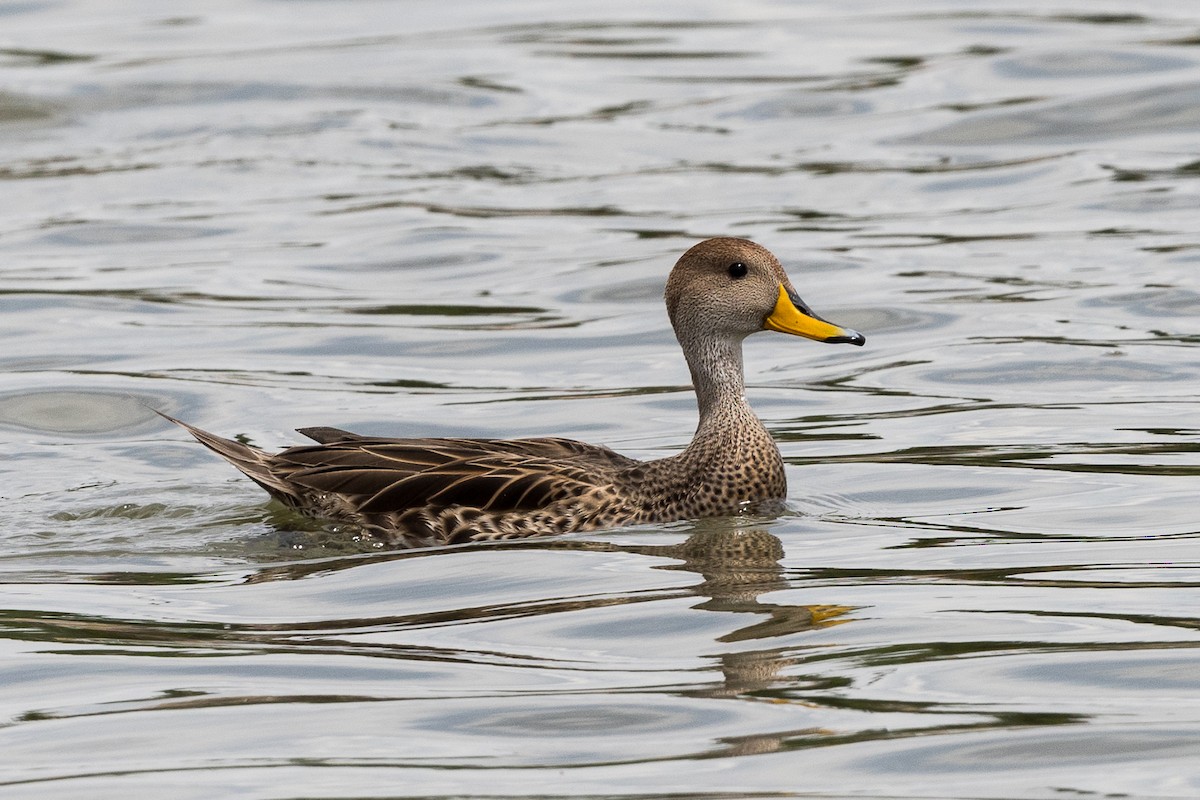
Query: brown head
{"x":730,"y":288}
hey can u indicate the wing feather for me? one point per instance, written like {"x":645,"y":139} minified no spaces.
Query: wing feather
{"x":376,"y":476}
{"x":386,"y":475}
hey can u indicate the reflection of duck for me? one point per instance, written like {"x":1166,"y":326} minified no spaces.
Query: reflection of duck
{"x":435,"y":491}
{"x":738,"y":565}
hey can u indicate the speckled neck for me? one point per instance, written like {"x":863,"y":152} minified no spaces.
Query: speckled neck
{"x":717,"y":375}
{"x":732,"y":454}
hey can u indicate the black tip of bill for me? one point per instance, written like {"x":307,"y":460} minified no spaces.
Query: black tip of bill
{"x":850,"y":337}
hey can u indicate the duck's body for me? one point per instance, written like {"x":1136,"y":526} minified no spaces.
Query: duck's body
{"x":440,"y":491}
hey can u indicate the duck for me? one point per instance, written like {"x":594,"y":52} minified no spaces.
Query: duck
{"x":444,"y":491}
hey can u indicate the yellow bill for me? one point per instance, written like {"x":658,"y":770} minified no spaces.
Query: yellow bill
{"x":791,"y":315}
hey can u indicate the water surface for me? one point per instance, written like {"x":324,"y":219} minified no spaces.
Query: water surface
{"x":399,"y":219}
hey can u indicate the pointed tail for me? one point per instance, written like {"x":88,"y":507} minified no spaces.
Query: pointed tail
{"x":255,"y":464}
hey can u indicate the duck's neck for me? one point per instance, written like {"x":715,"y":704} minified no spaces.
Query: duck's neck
{"x":716,"y":367}
{"x":732,"y":459}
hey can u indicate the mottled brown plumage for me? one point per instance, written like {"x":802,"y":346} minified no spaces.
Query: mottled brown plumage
{"x":438,"y":491}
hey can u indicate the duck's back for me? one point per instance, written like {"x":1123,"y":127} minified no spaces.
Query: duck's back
{"x":435,"y":489}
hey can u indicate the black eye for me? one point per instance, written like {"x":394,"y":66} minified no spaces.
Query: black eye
{"x":737,"y":270}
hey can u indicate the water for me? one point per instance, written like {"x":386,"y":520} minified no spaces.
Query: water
{"x":402,"y":219}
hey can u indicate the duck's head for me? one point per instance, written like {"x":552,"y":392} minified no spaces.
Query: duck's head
{"x":734,"y":287}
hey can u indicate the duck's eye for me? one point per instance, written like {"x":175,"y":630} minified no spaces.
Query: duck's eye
{"x":737,"y":270}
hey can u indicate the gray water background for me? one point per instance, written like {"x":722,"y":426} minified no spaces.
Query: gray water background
{"x":414,"y":218}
